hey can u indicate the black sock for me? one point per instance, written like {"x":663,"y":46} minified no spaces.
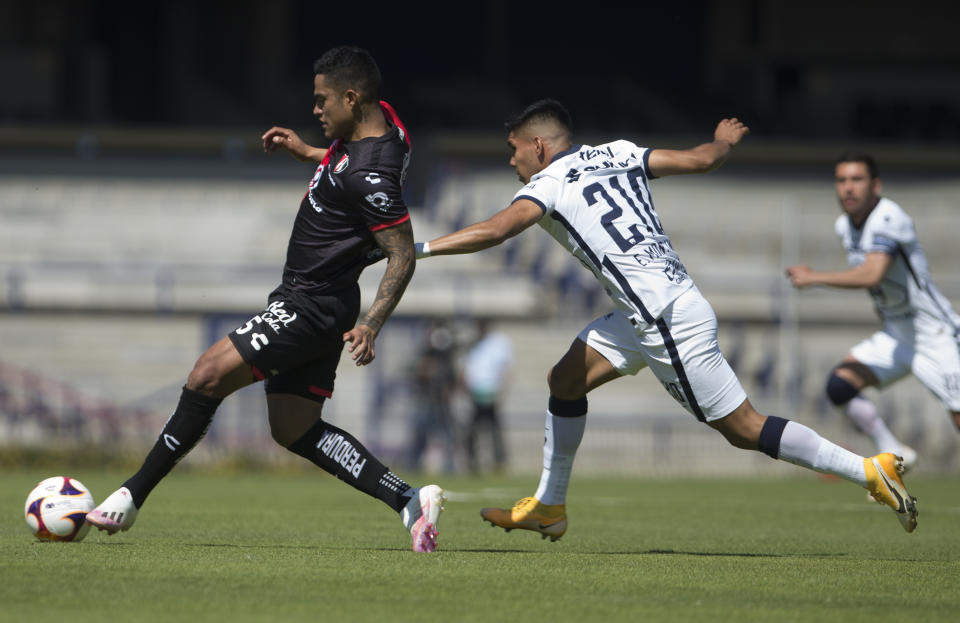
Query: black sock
{"x":187,"y":426}
{"x":338,"y":453}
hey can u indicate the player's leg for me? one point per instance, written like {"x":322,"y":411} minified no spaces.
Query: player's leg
{"x":294,"y":409}
{"x":217,"y":373}
{"x":937,"y":366}
{"x":579,"y":371}
{"x":843,"y":390}
{"x":683,"y":352}
{"x":795,"y":443}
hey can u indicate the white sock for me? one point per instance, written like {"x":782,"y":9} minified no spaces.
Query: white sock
{"x":864,"y":414}
{"x":562,"y":437}
{"x":804,"y":447}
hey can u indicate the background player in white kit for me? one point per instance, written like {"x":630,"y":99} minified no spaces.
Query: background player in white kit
{"x":920,"y":329}
{"x":596,"y":202}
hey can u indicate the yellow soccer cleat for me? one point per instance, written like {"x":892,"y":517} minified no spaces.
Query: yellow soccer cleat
{"x":886,"y":487}
{"x":530,"y":514}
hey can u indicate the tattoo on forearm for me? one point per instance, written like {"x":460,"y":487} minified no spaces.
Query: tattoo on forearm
{"x":397,"y":245}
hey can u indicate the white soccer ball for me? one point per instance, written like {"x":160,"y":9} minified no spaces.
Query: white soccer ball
{"x":56,"y":509}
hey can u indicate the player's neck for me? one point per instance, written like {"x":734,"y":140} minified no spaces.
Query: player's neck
{"x":554,"y":148}
{"x":861,"y":217}
{"x":372,"y":123}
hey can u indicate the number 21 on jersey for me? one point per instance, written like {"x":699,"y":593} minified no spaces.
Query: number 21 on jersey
{"x":613,"y":199}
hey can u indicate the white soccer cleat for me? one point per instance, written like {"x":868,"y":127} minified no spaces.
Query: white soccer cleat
{"x":114,"y":514}
{"x":420,"y":517}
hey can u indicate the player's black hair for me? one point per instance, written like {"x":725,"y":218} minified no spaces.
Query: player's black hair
{"x":350,"y":67}
{"x":860,"y":156}
{"x":543,"y":110}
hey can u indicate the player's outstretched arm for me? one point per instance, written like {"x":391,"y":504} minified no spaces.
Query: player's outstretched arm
{"x":866,"y":275}
{"x":505,"y":224}
{"x":397,"y":245}
{"x":277,"y":137}
{"x":702,"y":158}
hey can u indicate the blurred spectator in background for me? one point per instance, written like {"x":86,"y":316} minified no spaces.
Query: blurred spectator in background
{"x":485,"y":370}
{"x":434,"y":381}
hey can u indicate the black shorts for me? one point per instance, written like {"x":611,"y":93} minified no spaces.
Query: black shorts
{"x":294,"y":344}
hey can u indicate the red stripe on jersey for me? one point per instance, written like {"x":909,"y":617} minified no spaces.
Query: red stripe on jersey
{"x":392,"y":116}
{"x":402,"y":219}
{"x":334,"y":146}
{"x":319,"y":391}
{"x":257,"y":373}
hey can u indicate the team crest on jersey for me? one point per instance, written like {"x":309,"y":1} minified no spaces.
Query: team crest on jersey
{"x":342,"y":164}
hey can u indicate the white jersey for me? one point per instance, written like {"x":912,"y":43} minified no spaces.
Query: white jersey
{"x":906,"y":290}
{"x":597,"y":204}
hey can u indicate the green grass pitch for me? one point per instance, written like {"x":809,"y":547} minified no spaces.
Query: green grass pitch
{"x":255,"y":547}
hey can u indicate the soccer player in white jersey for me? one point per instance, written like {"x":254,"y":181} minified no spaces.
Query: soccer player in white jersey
{"x":595,"y":200}
{"x":920,"y":329}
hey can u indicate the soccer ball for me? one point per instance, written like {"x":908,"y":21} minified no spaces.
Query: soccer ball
{"x":56,"y":509}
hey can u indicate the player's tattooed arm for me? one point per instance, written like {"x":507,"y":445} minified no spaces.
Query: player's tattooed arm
{"x":397,"y":245}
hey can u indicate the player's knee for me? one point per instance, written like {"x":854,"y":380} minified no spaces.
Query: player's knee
{"x":282,"y":436}
{"x":204,"y":378}
{"x":839,"y":390}
{"x":742,"y":427}
{"x":565,"y":386}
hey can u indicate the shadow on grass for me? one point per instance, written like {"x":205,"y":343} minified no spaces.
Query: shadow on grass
{"x":498,"y":550}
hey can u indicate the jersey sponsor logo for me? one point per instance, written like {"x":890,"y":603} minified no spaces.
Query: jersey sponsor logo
{"x":591,"y":153}
{"x":574,"y":174}
{"x":379,"y":200}
{"x":342,"y":164}
{"x":373,"y":177}
{"x":275,"y":315}
{"x":341,"y":451}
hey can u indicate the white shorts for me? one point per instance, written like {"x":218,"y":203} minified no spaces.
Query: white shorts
{"x":933,"y":356}
{"x":680,"y":349}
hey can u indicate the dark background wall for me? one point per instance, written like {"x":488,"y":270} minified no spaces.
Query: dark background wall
{"x":872,"y":70}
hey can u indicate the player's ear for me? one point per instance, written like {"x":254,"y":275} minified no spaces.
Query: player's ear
{"x":351,"y":99}
{"x":876,"y":186}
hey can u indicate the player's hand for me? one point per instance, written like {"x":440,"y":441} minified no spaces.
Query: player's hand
{"x":800,"y":275}
{"x":277,"y":137}
{"x":730,"y":131}
{"x":360,"y":344}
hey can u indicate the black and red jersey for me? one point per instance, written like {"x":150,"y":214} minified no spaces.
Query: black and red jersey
{"x":355,"y":192}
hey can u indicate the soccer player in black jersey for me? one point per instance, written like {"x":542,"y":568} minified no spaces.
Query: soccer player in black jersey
{"x":351,"y":215}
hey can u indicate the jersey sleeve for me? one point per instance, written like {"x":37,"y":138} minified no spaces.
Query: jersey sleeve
{"x":543,"y":191}
{"x":379,"y":197}
{"x":892,"y":229}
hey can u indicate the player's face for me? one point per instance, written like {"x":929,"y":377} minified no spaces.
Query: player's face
{"x":856,"y":190}
{"x":330,"y":107}
{"x":524,"y":157}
